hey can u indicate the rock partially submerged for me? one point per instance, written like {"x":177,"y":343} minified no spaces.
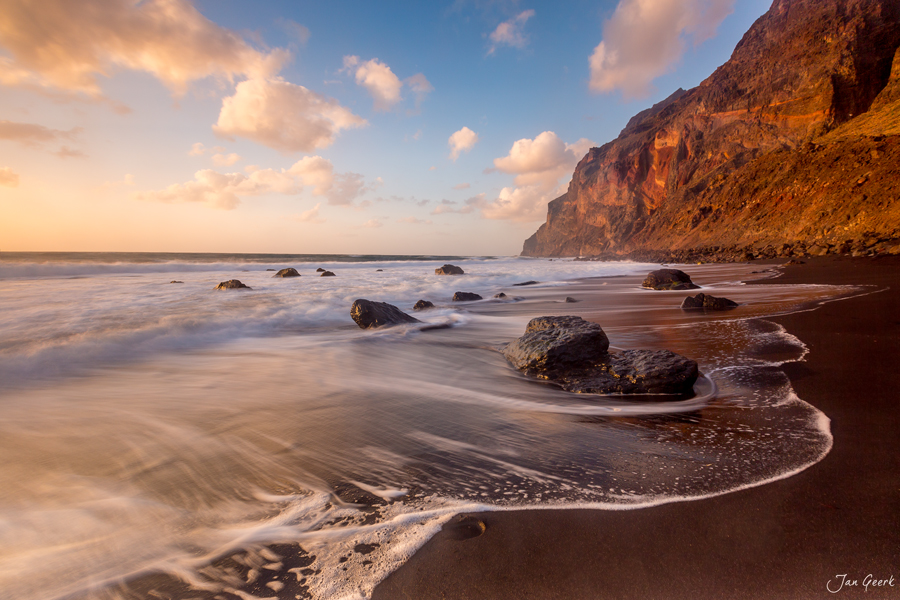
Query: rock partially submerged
{"x":465,"y":297}
{"x":529,"y":282}
{"x":707,"y":302}
{"x":232,"y":284}
{"x":501,"y":295}
{"x":423,"y":305}
{"x":320,"y":270}
{"x":289,"y":272}
{"x":369,"y":314}
{"x":574,"y":354}
{"x":570,"y":299}
{"x":327,"y":274}
{"x":669,"y":279}
{"x":449,"y":270}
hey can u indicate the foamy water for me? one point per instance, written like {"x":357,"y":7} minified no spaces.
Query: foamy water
{"x":149,"y":427}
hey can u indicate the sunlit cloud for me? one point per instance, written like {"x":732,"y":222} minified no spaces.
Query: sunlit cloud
{"x":646,"y":38}
{"x":224,"y":160}
{"x":415,"y":221}
{"x":542,"y":169}
{"x":511,"y":32}
{"x":383,"y":85}
{"x":8,"y":178}
{"x":283,"y":116}
{"x":224,"y":190}
{"x":461,"y":141}
{"x":66,"y":45}
{"x":461,"y":186}
{"x":300,"y":33}
{"x":309,"y":216}
{"x":373,"y":223}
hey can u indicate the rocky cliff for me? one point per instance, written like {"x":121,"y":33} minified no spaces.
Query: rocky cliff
{"x":793,"y":145}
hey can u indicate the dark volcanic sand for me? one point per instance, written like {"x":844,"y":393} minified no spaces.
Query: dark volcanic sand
{"x":786,"y":539}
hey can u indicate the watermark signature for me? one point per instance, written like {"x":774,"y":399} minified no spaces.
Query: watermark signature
{"x":843,"y":580}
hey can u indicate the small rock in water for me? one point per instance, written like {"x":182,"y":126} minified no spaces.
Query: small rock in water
{"x":289,"y":272}
{"x":449,"y":270}
{"x":270,"y":269}
{"x":707,"y":302}
{"x":465,"y":297}
{"x":669,"y":279}
{"x":327,"y":274}
{"x":570,"y":299}
{"x":529,"y":282}
{"x":320,"y":270}
{"x":232,"y":284}
{"x":369,"y":314}
{"x":173,"y":281}
{"x":422,"y":305}
{"x":501,"y":295}
{"x":574,"y":354}
{"x":379,"y":270}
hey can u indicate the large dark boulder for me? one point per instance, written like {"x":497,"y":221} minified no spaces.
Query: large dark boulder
{"x":574,"y":354}
{"x":423,"y":305}
{"x":465,"y":297}
{"x":553,"y":345}
{"x":669,"y":279}
{"x":369,"y":314}
{"x":707,"y":302}
{"x":232,"y":284}
{"x":634,"y":372}
{"x":289,"y":272}
{"x":449,"y":270}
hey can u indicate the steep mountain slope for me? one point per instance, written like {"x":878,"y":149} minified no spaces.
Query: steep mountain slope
{"x":793,"y":144}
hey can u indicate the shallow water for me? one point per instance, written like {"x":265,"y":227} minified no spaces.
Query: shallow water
{"x":154,"y":427}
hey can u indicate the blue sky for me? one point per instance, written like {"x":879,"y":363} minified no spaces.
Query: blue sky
{"x":218,"y":125}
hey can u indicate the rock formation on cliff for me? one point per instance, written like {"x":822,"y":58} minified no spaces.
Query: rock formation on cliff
{"x":793,"y":143}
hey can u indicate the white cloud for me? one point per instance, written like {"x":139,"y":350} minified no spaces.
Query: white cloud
{"x":283,"y":116}
{"x":8,"y":178}
{"x":461,"y":186}
{"x":415,"y":221}
{"x":373,"y":223}
{"x":511,"y":33}
{"x":538,"y":165}
{"x":645,"y":38}
{"x":309,"y":216}
{"x":462,"y":141}
{"x":66,"y":45}
{"x":225,"y":160}
{"x":197,"y":149}
{"x":297,"y":31}
{"x":383,"y":85}
{"x":224,"y":190}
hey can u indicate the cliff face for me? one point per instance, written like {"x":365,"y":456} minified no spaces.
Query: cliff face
{"x":796,"y":139}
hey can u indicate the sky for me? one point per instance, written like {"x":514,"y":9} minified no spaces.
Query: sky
{"x":324,"y":127}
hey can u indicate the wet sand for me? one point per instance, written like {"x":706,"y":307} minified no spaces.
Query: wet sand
{"x":787,"y":539}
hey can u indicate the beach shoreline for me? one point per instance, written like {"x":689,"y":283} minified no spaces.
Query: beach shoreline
{"x":792,"y":538}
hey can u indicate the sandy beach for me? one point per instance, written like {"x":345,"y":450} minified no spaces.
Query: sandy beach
{"x":820,"y":531}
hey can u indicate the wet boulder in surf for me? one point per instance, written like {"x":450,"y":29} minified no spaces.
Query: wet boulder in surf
{"x":574,"y":354}
{"x":449,"y":270}
{"x":327,"y":274}
{"x":289,"y":272}
{"x":707,"y":302}
{"x":369,"y":314}
{"x":423,"y":305}
{"x":232,"y":284}
{"x":320,"y":270}
{"x":465,"y":297}
{"x":554,"y":345}
{"x":669,"y":279}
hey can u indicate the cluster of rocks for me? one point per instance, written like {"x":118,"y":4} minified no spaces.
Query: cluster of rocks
{"x":574,"y":354}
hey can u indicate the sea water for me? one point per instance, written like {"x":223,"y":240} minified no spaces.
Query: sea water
{"x":150,"y":428}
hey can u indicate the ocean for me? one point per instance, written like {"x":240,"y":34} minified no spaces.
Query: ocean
{"x":258,"y":444}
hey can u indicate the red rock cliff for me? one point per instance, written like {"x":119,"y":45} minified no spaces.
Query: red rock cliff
{"x":796,"y":139}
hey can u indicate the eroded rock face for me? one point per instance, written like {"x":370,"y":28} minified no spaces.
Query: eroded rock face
{"x":449,"y":270}
{"x":465,"y":297}
{"x":707,"y":302}
{"x":793,"y":140}
{"x":669,"y":279}
{"x":574,"y":353}
{"x":232,"y":284}
{"x":289,"y":272}
{"x":423,"y":305}
{"x":369,"y":314}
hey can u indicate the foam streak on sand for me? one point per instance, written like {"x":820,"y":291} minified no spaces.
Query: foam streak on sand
{"x":217,"y":424}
